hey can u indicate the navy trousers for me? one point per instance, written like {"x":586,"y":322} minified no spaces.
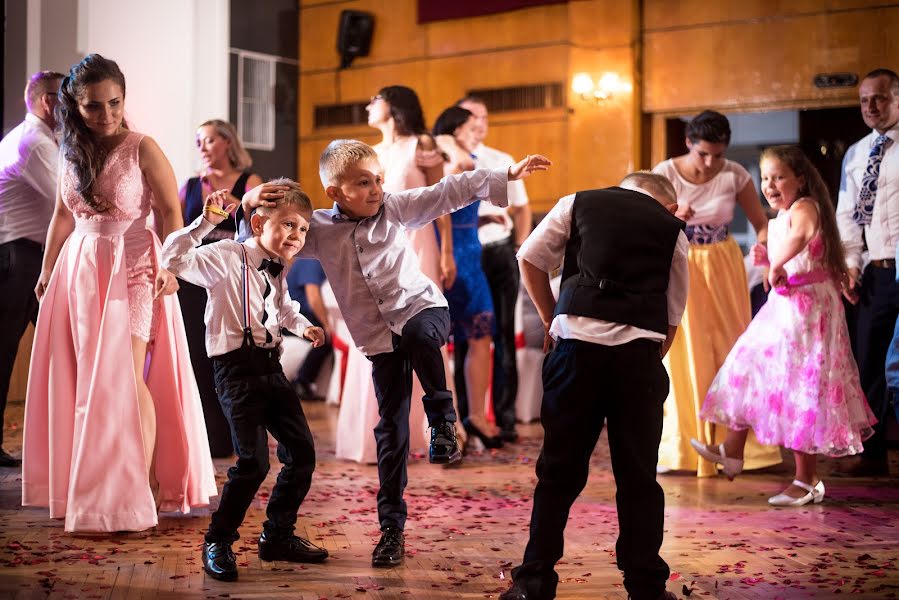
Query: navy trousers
{"x":585,"y":385}
{"x":417,"y":349}
{"x":257,"y":398}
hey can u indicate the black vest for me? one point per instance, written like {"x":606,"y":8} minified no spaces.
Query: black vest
{"x":618,"y":259}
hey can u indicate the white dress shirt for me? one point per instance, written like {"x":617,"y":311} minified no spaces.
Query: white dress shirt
{"x":373,"y":271}
{"x":882,"y":234}
{"x":545,"y":249}
{"x":219,"y":268}
{"x":491,"y":158}
{"x":29,"y":158}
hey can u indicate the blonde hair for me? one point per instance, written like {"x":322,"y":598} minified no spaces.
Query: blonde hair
{"x":657,"y":185}
{"x":237,"y":155}
{"x":339,"y":156}
{"x":815,"y":188}
{"x":295,"y":198}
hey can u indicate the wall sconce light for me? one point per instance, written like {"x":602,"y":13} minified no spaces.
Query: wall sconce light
{"x":604,"y":89}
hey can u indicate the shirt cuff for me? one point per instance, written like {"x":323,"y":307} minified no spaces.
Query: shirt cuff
{"x":496,"y":188}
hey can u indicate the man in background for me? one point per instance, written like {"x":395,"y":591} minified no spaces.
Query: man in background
{"x":501,"y":232}
{"x":28,"y":162}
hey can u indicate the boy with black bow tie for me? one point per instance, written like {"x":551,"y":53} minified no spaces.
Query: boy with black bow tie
{"x":248,"y":308}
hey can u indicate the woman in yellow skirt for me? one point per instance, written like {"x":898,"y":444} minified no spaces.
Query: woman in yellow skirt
{"x":718,"y":311}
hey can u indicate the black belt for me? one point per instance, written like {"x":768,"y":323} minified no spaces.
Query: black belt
{"x":884,"y":263}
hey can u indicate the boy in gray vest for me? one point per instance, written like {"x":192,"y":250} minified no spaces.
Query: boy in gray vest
{"x":624,"y":288}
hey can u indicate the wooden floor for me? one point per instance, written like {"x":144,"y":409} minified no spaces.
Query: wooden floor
{"x":467,"y":527}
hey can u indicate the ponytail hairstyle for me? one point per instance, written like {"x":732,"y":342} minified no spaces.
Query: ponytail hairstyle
{"x":815,"y":188}
{"x":81,"y":148}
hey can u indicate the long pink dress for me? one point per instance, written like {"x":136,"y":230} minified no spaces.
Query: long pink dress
{"x":791,"y":376}
{"x":359,"y":406}
{"x":83,"y":451}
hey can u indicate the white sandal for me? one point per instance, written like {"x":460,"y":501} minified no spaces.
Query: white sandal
{"x":815,"y":494}
{"x":731,"y":466}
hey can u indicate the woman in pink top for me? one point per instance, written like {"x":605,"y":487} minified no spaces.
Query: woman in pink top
{"x":102,"y":436}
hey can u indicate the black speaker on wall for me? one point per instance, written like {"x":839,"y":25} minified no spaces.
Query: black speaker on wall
{"x":354,"y":35}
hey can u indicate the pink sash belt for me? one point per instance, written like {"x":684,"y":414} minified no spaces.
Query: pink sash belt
{"x":801,"y":279}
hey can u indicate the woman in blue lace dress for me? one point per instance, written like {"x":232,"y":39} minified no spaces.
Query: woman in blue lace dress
{"x":470,"y":302}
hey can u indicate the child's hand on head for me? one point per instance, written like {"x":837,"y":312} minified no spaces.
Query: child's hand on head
{"x":215,"y":209}
{"x":262,"y":195}
{"x":316,"y":335}
{"x":530,"y":163}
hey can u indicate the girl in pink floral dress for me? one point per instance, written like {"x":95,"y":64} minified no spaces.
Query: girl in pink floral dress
{"x":791,"y":376}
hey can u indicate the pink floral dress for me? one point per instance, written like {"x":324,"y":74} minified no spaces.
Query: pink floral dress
{"x":791,"y":376}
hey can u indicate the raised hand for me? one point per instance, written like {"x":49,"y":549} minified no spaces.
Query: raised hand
{"x":215,"y":209}
{"x":528,"y":165}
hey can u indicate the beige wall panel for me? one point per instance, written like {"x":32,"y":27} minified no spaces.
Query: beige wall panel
{"x":688,"y":13}
{"x":527,"y":27}
{"x":764,"y":64}
{"x":396,"y":34}
{"x":601,"y":23}
{"x":547,"y":137}
{"x":448,"y":78}
{"x":357,"y":85}
{"x":601,"y":136}
{"x":317,"y":89}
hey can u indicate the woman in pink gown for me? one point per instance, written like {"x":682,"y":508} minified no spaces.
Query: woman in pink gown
{"x":396,"y":112}
{"x":103,"y":436}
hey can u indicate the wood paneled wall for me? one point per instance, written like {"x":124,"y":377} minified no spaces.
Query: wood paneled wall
{"x":749,"y":55}
{"x":591,"y":146}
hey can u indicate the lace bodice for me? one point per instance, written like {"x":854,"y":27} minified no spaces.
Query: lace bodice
{"x":121,"y":183}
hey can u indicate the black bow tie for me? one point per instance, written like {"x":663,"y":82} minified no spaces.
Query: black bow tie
{"x":274,"y":268}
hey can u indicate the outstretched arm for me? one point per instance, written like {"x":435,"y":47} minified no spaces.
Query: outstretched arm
{"x":418,"y":207}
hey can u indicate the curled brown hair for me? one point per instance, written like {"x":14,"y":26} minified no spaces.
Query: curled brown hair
{"x":80,"y":147}
{"x":815,"y":188}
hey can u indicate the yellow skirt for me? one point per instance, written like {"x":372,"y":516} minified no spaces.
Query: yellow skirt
{"x":717,"y":313}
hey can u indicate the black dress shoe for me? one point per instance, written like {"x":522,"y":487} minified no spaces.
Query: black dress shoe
{"x":444,"y":448}
{"x":219,"y":562}
{"x":508,"y":435}
{"x":8,"y":461}
{"x":292,"y":549}
{"x":516,"y":592}
{"x":390,"y":550}
{"x":863,"y":467}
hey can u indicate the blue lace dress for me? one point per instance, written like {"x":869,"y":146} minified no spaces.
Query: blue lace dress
{"x":470,"y":302}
